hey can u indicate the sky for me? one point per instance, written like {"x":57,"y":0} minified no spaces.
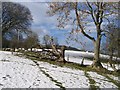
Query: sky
{"x":44,"y":24}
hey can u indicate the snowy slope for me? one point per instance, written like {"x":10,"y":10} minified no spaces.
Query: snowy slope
{"x":77,"y":56}
{"x":19,"y":72}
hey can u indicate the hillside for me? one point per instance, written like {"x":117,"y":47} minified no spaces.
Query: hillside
{"x":21,"y":72}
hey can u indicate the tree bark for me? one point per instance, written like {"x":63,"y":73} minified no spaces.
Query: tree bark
{"x":96,"y":62}
{"x":60,"y":54}
{"x":110,"y":60}
{"x":97,"y":18}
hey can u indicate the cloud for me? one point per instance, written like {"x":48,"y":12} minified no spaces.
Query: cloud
{"x":44,"y":24}
{"x":40,"y":17}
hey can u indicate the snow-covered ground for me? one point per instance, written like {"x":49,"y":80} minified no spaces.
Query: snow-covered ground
{"x":19,"y":72}
{"x":85,"y":54}
{"x":77,"y":56}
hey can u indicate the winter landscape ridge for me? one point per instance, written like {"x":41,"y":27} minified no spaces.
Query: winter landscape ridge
{"x":21,"y":72}
{"x":60,"y":44}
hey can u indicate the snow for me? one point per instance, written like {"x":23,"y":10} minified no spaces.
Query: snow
{"x":70,"y":78}
{"x":107,"y":66}
{"x":17,"y":72}
{"x":101,"y":81}
{"x":78,"y":53}
{"x":85,"y":54}
{"x":114,"y":78}
{"x":79,"y":60}
{"x":77,"y":56}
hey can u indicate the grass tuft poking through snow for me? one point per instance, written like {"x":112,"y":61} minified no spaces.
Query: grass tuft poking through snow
{"x":102,"y":81}
{"x":92,"y":82}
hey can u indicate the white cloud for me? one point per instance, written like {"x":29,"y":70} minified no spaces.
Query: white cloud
{"x":41,"y":30}
{"x":39,"y":14}
{"x":43,"y":24}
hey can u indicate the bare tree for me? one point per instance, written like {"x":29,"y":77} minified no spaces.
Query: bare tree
{"x":46,"y":40}
{"x":52,"y":42}
{"x":84,"y":12}
{"x":112,"y":42}
{"x":58,"y":52}
{"x":49,"y":40}
{"x":31,"y":41}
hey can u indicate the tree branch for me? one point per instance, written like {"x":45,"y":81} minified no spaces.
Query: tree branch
{"x":91,"y":10}
{"x":78,"y":20}
{"x":101,"y":12}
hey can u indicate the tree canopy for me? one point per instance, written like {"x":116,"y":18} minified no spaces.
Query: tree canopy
{"x":81,"y":13}
{"x":15,"y":16}
{"x":16,"y":22}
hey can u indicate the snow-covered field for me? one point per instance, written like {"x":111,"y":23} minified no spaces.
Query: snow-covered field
{"x":77,"y":56}
{"x":19,"y":72}
{"x":86,"y":54}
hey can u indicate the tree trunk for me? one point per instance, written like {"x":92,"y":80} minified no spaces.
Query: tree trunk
{"x":110,"y":59}
{"x":60,"y":54}
{"x":96,"y":62}
{"x":31,"y":49}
